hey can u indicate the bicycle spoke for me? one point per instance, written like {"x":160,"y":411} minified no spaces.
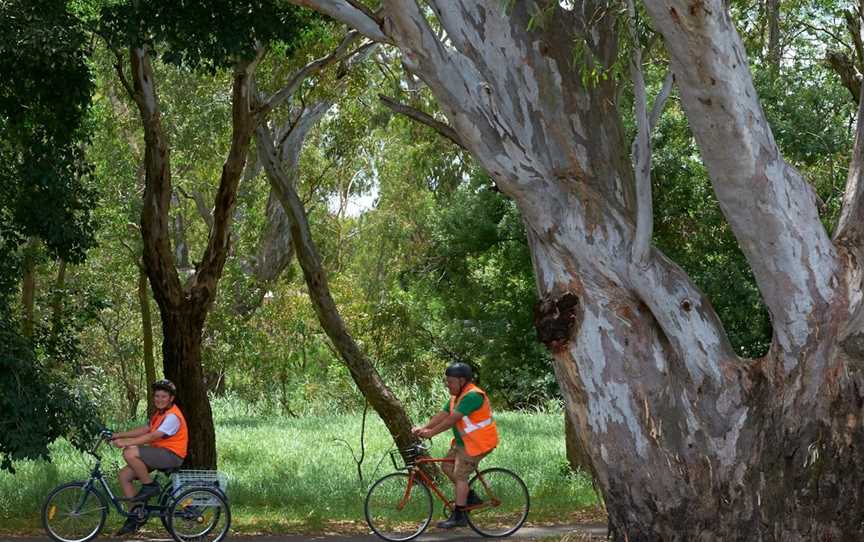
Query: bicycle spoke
{"x":505,"y":503}
{"x":393,"y":512}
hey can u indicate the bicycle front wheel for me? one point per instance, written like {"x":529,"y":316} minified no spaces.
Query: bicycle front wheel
{"x":199,"y":514}
{"x":396,"y":511}
{"x":74,"y":512}
{"x":505,"y":503}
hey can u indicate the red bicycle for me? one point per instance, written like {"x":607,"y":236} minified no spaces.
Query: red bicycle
{"x":399,"y":505}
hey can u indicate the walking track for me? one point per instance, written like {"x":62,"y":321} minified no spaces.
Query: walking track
{"x":594,"y":531}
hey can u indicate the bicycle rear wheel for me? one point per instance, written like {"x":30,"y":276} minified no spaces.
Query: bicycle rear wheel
{"x":395,"y":512}
{"x":199,"y":514}
{"x":74,"y":512}
{"x":505,"y":502}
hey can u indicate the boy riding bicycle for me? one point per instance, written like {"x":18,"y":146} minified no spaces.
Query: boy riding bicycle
{"x":160,"y":445}
{"x":474,"y":435}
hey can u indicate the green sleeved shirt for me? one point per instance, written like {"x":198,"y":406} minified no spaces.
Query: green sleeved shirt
{"x":471,"y":402}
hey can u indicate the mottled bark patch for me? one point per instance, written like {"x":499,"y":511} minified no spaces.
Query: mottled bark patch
{"x":556,"y":320}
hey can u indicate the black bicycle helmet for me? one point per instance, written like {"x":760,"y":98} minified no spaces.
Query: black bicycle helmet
{"x":165,"y":385}
{"x":459,"y":370}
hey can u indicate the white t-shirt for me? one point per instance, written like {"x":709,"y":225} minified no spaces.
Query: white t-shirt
{"x":170,"y":425}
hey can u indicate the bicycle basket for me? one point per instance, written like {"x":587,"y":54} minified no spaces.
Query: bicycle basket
{"x":185,"y":479}
{"x":412,"y":453}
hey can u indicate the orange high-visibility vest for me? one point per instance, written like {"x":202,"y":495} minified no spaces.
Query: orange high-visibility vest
{"x":179,"y":441}
{"x":478,"y":430}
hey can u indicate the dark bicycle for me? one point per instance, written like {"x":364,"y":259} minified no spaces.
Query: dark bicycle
{"x":191,"y":506}
{"x":399,"y":505}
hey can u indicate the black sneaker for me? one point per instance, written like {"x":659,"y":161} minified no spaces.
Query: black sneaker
{"x":147,"y":490}
{"x":473,"y":499}
{"x":129,"y":527}
{"x":456,"y":519}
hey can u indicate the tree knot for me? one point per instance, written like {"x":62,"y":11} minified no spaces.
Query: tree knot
{"x":556,"y":319}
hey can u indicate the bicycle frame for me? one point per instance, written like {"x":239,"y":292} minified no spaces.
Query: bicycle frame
{"x":96,"y":475}
{"x":415,"y":471}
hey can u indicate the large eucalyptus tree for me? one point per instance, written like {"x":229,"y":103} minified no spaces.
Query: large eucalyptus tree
{"x":688,"y":441}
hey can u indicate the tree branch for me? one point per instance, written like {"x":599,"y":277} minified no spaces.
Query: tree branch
{"x":121,"y":75}
{"x":850,"y":227}
{"x":769,"y":206}
{"x":365,"y":9}
{"x":641,"y":150}
{"x":201,"y":204}
{"x":853,"y":26}
{"x":423,"y":118}
{"x":845,"y":68}
{"x":305,"y":72}
{"x":156,"y":254}
{"x":346,"y":12}
{"x":243,"y":124}
{"x":660,"y":100}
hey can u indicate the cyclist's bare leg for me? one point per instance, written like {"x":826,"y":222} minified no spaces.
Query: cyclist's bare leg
{"x":126,"y":475}
{"x":461,"y":492}
{"x":130,"y":454}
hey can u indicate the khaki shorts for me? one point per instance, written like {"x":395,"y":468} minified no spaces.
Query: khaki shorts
{"x":159,"y":458}
{"x":464,"y":465}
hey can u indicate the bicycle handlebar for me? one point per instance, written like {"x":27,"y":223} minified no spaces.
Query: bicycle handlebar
{"x":104,"y":436}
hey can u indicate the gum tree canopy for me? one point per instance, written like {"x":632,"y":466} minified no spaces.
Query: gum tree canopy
{"x":688,"y":440}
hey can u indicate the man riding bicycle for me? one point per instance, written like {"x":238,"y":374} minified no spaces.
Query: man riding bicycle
{"x":160,"y":445}
{"x":474,"y":435}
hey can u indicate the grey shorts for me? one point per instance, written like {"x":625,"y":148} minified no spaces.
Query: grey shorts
{"x":159,"y":458}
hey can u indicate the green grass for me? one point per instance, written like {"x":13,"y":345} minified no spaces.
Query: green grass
{"x":292,"y":474}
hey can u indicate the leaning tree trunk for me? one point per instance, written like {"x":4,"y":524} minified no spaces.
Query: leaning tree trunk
{"x":687,"y":440}
{"x":184,"y":306}
{"x":282,"y":168}
{"x":363,"y":372}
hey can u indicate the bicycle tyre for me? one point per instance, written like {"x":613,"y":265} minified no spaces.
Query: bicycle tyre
{"x":192,"y":505}
{"x":387,"y":490}
{"x":495,"y":521}
{"x":54,"y":502}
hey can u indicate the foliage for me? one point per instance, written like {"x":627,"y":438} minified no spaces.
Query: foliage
{"x":209,"y":35}
{"x":44,"y":194}
{"x":39,"y":403}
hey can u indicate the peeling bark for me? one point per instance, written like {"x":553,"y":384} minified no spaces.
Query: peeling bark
{"x":687,"y":441}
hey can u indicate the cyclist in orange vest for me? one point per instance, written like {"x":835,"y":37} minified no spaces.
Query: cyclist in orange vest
{"x":474,"y":435}
{"x":161,"y":444}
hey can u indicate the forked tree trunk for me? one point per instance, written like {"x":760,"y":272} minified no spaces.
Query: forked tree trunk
{"x":184,"y":306}
{"x":687,"y":441}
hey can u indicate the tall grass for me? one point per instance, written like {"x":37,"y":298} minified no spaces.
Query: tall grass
{"x":299,"y":473}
